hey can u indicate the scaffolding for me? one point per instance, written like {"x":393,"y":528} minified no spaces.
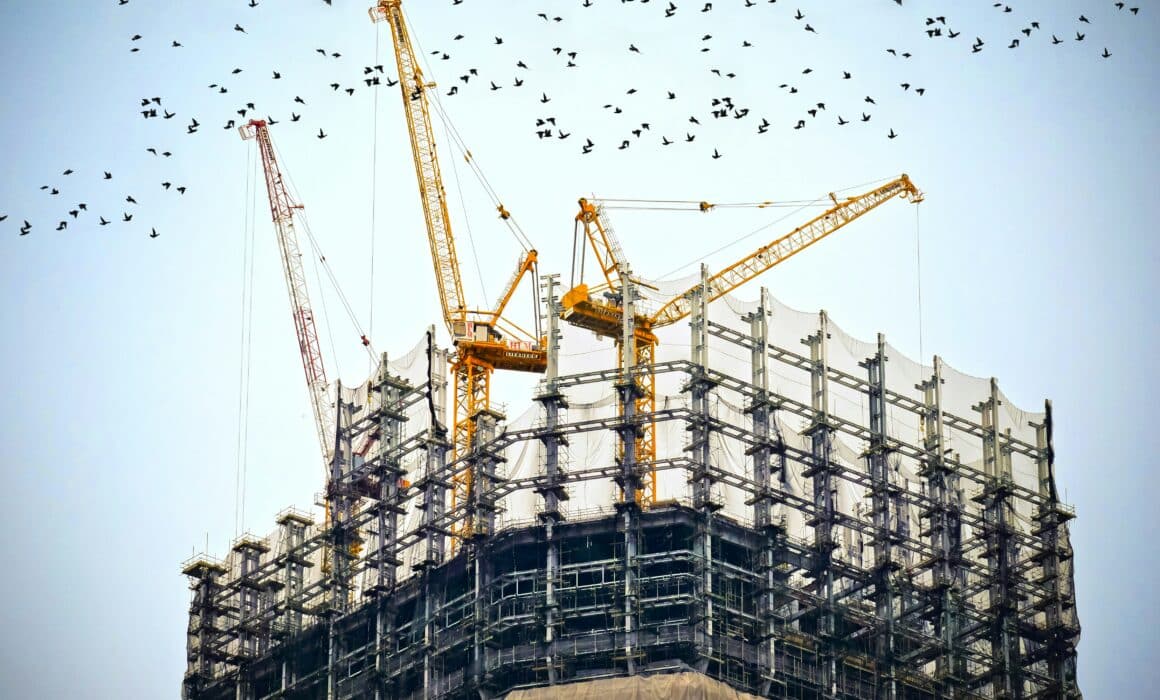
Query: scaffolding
{"x":834,"y":520}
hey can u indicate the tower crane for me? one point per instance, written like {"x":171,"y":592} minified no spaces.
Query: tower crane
{"x":478,"y":334}
{"x":584,"y":308}
{"x":282,"y":209}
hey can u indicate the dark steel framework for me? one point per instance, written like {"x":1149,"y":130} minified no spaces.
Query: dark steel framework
{"x":932,"y":614}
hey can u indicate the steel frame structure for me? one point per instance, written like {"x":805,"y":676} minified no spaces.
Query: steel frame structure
{"x":630,"y":590}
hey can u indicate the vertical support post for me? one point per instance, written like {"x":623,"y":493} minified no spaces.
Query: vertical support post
{"x":293,"y":572}
{"x":825,"y":509}
{"x":482,"y":525}
{"x":629,"y":477}
{"x":202,"y":634}
{"x":701,"y":476}
{"x":944,"y":516}
{"x":883,"y":494}
{"x":434,"y":486}
{"x":769,"y":475}
{"x":552,"y":491}
{"x":1061,"y":631}
{"x":343,"y":537}
{"x":1001,"y":554}
{"x":388,"y":472}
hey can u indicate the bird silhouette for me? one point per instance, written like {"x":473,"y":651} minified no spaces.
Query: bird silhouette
{"x":716,"y":155}
{"x":891,"y":134}
{"x":154,"y":234}
{"x":321,"y":134}
{"x":125,"y":216}
{"x":239,"y":28}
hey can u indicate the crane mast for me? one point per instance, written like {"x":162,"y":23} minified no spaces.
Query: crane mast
{"x":605,"y":318}
{"x":282,"y":208}
{"x":478,"y":334}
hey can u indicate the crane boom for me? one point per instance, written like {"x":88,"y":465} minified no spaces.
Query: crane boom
{"x":606,"y":317}
{"x":282,"y":208}
{"x":787,"y":246}
{"x":427,"y":172}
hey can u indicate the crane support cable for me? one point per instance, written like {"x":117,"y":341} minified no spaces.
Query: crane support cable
{"x":461,"y":145}
{"x":785,"y":247}
{"x":798,"y":205}
{"x":467,"y":226}
{"x":321,"y":258}
{"x":458,"y":141}
{"x":739,"y":239}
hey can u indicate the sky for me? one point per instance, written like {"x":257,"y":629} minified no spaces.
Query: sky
{"x":155,"y":404}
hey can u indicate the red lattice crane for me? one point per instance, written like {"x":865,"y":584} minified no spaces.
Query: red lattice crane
{"x":282,"y":209}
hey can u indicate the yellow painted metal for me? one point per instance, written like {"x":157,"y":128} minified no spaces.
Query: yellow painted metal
{"x":605,"y":318}
{"x":787,"y":246}
{"x":480,"y":343}
{"x":414,"y":87}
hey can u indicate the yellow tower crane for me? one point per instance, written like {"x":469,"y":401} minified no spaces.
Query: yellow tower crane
{"x":478,"y":334}
{"x":584,"y":307}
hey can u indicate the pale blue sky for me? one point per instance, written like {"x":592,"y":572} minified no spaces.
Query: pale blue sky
{"x":119,"y":438}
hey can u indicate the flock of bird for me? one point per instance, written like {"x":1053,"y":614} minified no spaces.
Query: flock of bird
{"x":519,"y":80}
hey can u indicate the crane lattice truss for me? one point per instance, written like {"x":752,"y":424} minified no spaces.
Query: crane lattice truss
{"x":953,"y":582}
{"x":479,"y":335}
{"x":282,"y":209}
{"x":607,"y":318}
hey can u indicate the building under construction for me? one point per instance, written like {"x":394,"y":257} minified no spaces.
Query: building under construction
{"x":830,"y":520}
{"x":761,"y":499}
